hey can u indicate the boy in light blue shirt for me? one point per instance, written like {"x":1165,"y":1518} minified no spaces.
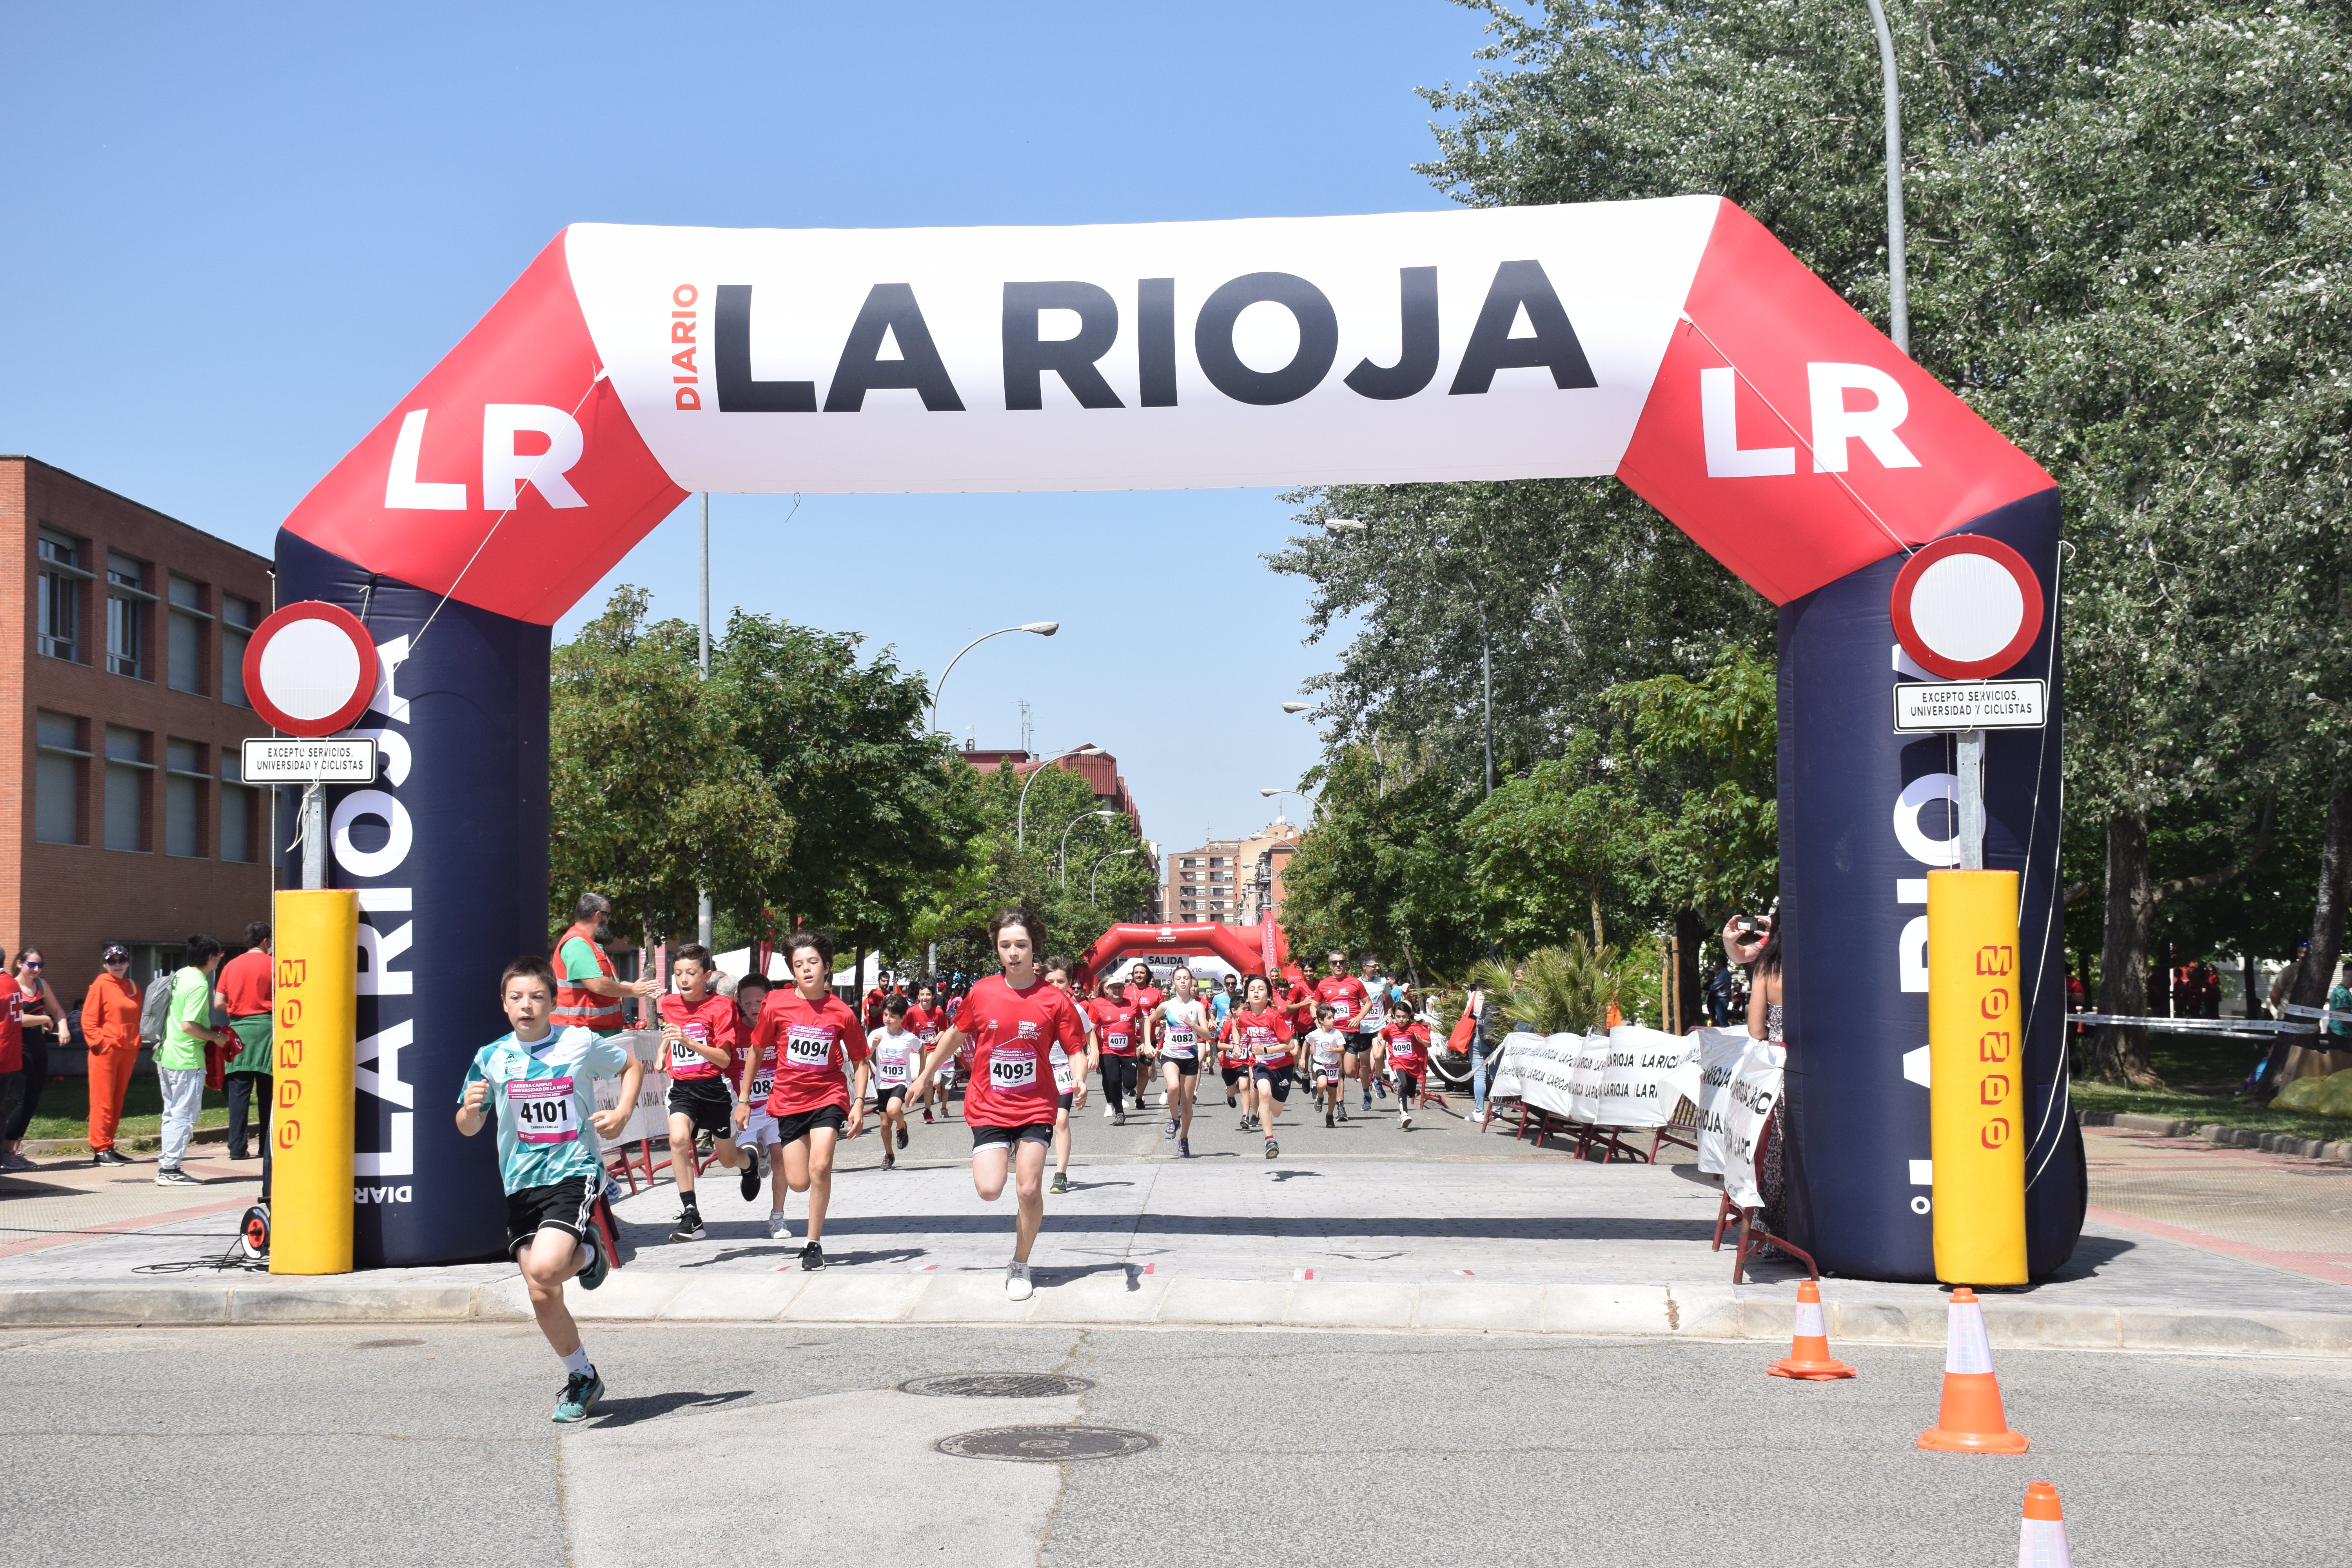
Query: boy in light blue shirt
{"x":540,"y":1084}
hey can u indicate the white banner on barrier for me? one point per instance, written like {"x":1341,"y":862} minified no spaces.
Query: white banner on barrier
{"x":651,"y":1117}
{"x":1647,"y":1073}
{"x":1584,"y":1082}
{"x":1536,"y":1069}
{"x":1720,"y":1051}
{"x":1754,"y":1090}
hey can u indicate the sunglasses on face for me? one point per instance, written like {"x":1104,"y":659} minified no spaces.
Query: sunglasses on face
{"x":29,"y":963}
{"x":112,"y":962}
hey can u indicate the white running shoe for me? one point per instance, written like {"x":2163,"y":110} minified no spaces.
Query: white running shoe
{"x":1016,"y":1282}
{"x":1108,"y":1113}
{"x":1404,"y":1118}
{"x":779,"y":1227}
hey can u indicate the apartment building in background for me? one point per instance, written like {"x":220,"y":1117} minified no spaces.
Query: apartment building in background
{"x":1218,"y":882}
{"x":121,"y":663}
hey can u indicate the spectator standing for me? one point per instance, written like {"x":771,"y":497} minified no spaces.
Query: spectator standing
{"x":588,"y":989}
{"x":1718,"y":995}
{"x":12,"y":1045}
{"x":43,"y":1024}
{"x":180,"y":1060}
{"x":110,"y":1029}
{"x":246,"y":997}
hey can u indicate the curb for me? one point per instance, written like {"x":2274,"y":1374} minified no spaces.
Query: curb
{"x":135,"y":1143}
{"x":1715,"y":1313}
{"x":2221,"y":1133}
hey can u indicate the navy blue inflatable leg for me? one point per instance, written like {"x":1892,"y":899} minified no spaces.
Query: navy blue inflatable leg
{"x":448,"y":851}
{"x":1865,"y":815}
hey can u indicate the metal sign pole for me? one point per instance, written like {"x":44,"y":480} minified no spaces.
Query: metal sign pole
{"x":1972,"y":800}
{"x":314,"y":835}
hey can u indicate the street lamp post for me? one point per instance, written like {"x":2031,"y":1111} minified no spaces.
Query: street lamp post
{"x":1270,"y":792}
{"x":1021,"y":814}
{"x":1097,"y":870}
{"x":1041,"y":628}
{"x":1064,"y":858}
{"x":1899,"y":292}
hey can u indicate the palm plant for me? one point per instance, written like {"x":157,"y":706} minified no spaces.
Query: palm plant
{"x":1563,"y":990}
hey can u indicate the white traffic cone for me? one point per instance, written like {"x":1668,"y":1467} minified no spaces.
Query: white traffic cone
{"x":2042,"y":1535}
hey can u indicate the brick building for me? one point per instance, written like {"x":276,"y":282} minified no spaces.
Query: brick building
{"x":122,"y":637}
{"x":1217,"y":882}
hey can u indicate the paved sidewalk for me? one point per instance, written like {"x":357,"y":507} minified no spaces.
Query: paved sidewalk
{"x":1365,"y":1224}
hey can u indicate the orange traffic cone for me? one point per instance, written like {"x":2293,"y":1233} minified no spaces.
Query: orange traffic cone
{"x":1970,"y":1421}
{"x":2042,"y":1538}
{"x":1809,"y":1348}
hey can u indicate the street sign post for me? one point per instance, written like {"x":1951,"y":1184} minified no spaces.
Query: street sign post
{"x":309,"y":670}
{"x":280,"y":761}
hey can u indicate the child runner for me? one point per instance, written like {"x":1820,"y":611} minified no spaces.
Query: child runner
{"x":699,"y":1043}
{"x":895,"y":1049}
{"x":539,"y":1083}
{"x":1069,"y":1079}
{"x":1327,"y":1056}
{"x":1404,"y":1040}
{"x":1261,"y":1029}
{"x":1184,"y":1023}
{"x":1013,"y":1020}
{"x":924,"y":1021}
{"x":1232,"y":1065}
{"x":816,"y":1037}
{"x":1117,"y":1030}
{"x":756,"y":1131}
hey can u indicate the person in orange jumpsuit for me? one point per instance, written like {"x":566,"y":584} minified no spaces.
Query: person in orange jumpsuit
{"x":109,"y":1027}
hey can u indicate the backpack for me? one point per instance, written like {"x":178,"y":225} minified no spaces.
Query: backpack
{"x":156,"y":1009}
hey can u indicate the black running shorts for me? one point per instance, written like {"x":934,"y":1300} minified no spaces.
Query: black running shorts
{"x":791,"y":1129}
{"x":706,"y":1102}
{"x":564,"y":1206}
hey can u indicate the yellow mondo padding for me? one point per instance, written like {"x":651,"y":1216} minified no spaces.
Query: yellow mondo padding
{"x":316,"y":981}
{"x":1976,"y":1096}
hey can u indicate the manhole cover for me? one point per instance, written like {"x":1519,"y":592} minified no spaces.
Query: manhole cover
{"x":1046,"y":1445}
{"x":996,"y":1385}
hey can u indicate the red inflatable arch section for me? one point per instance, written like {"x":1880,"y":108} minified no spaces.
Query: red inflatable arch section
{"x":1243,"y":947}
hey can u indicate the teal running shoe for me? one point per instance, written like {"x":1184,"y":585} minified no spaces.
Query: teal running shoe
{"x":598,"y":1267}
{"x":580,"y":1392}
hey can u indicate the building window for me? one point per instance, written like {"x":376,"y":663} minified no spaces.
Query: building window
{"x":60,"y":766}
{"x":59,"y":611}
{"x":238,"y":806}
{"x":185,"y":655}
{"x":127,"y":599}
{"x":238,"y":617}
{"x":184,"y":782}
{"x":127,"y":771}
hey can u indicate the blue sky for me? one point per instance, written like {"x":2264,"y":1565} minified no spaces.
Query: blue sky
{"x":240,"y":234}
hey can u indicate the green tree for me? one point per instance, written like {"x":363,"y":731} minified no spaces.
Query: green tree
{"x":796,"y":780}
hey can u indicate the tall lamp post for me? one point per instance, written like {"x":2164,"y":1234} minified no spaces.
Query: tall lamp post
{"x":1064,"y":858}
{"x":1097,"y":870}
{"x":1041,"y":628}
{"x":1380,"y":764}
{"x":704,"y":919}
{"x":1021,"y":814}
{"x":1899,"y":292}
{"x":1270,"y":792}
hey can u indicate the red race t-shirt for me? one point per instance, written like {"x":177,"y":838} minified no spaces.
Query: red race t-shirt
{"x":1145,"y":997}
{"x":244,"y":984}
{"x":1264,"y":1036}
{"x":924,"y":1024}
{"x":1011,"y":1033}
{"x":1299,"y":1005}
{"x":1347,"y":995}
{"x":815,"y":1043}
{"x":711,"y":1023}
{"x":1117,"y":1025}
{"x":1408,"y":1046}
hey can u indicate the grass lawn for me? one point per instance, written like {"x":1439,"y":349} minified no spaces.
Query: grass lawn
{"x":2202,"y":1074}
{"x":65,"y":1109}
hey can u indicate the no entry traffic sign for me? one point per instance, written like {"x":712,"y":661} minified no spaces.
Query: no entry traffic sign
{"x":1966,"y":606}
{"x":311,"y":669}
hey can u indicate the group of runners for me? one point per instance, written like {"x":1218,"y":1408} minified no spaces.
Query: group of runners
{"x":767,"y":1083}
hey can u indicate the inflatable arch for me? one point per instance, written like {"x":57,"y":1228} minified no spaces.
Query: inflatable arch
{"x":1243,"y":947}
{"x":1674,"y":343}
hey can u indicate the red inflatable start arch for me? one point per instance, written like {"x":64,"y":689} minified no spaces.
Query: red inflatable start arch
{"x":1243,"y":947}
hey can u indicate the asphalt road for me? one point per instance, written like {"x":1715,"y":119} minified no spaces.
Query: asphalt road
{"x":727,"y":1445}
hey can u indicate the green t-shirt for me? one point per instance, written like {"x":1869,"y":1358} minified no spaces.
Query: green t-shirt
{"x":191,"y":1012}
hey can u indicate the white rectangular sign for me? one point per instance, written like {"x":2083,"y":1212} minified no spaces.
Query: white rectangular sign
{"x":1970,"y":705}
{"x":333,"y":761}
